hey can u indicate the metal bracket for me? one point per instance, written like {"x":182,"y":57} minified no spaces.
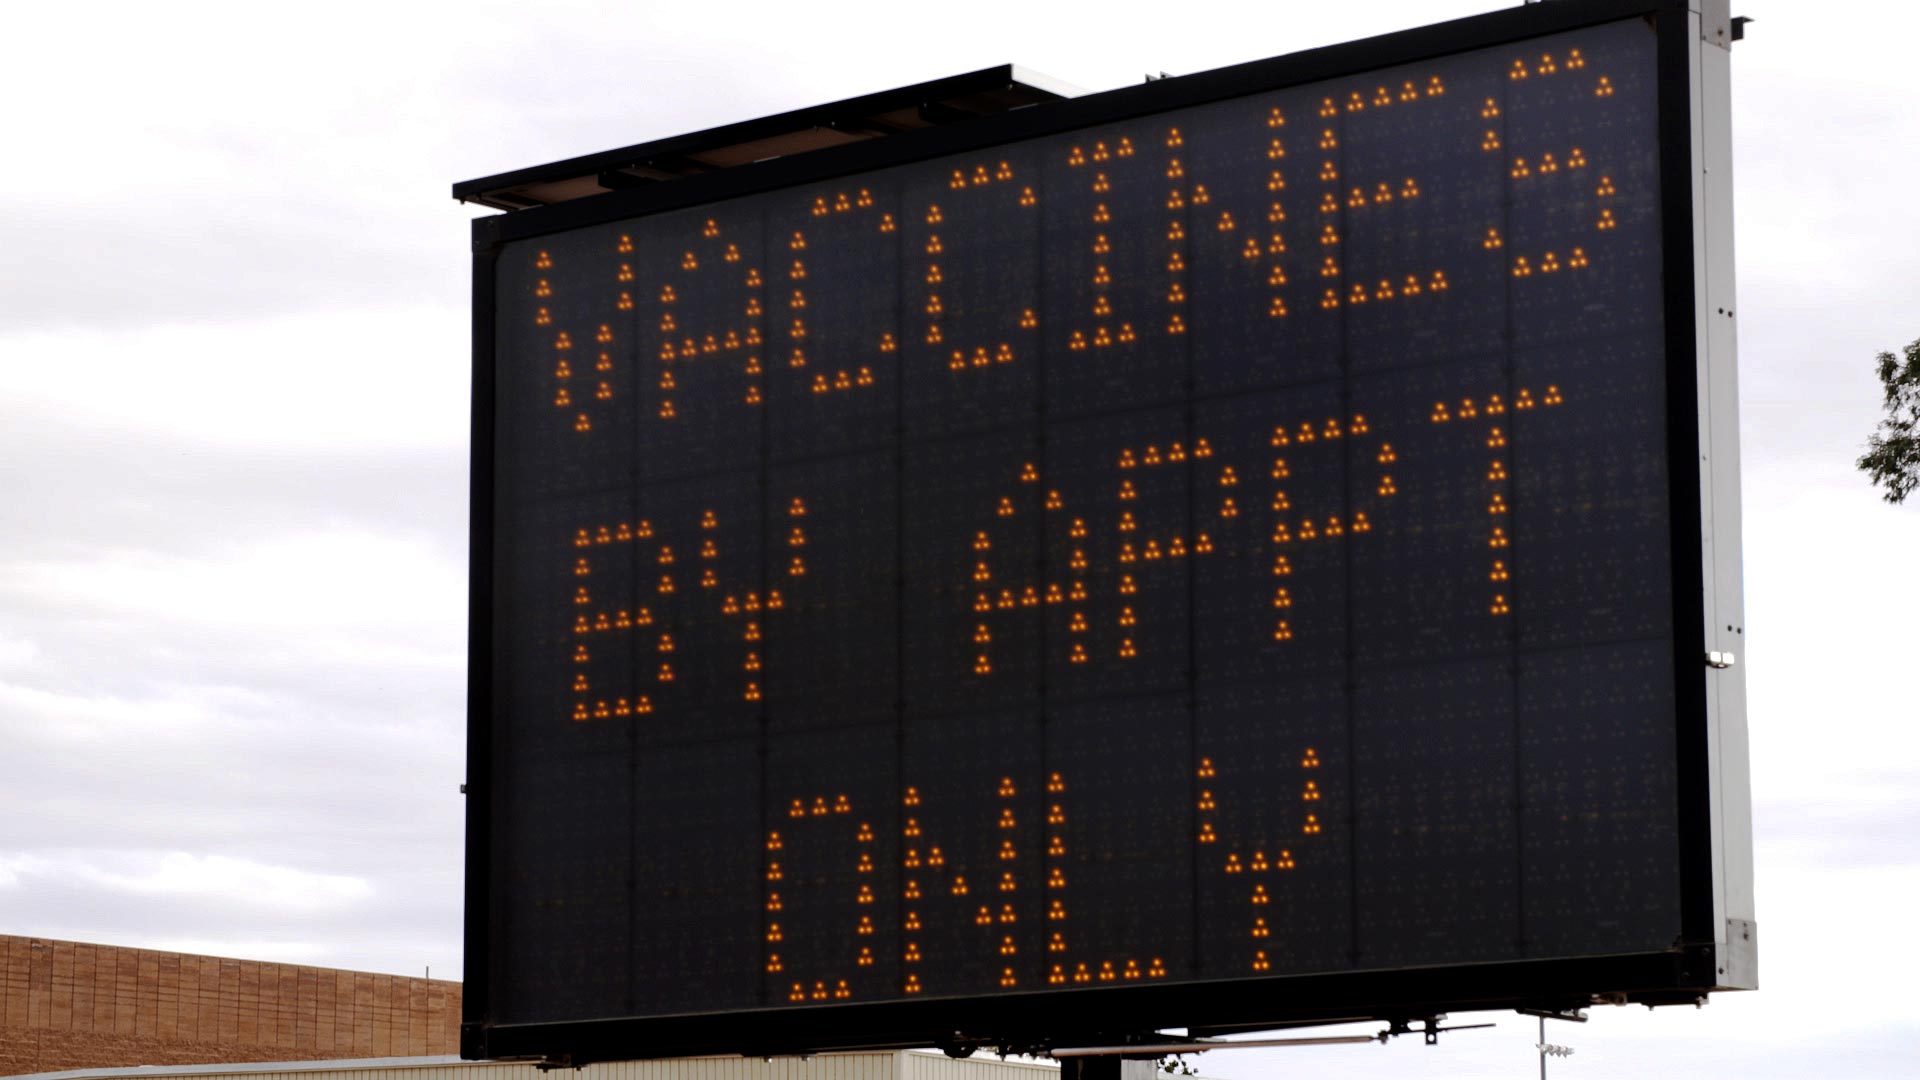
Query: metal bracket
{"x":1429,"y":1028}
{"x":1572,"y":1016}
{"x":1739,"y":965}
{"x":1154,"y":1044}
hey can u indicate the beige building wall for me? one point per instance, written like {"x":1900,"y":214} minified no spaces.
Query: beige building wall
{"x":69,"y":1005}
{"x":878,"y":1065}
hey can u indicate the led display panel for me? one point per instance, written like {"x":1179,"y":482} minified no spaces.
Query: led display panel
{"x":1229,"y":543}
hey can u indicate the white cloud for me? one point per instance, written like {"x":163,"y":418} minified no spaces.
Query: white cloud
{"x":228,"y":881}
{"x":374,"y":378}
{"x":326,"y":581}
{"x":17,"y":652}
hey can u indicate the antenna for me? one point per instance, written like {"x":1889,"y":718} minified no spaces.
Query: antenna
{"x":1548,"y":1049}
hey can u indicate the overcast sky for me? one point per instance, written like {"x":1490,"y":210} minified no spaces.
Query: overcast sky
{"x":233,"y":403}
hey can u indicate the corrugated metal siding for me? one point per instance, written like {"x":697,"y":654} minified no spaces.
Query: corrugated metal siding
{"x":941,"y":1067}
{"x":874,"y":1066}
{"x":879,"y":1065}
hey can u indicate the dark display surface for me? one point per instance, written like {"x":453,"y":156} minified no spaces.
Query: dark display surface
{"x":1227,"y":544}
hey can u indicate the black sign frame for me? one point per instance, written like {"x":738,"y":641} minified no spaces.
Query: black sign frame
{"x":1698,"y":962}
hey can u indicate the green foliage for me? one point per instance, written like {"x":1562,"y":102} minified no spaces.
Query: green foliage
{"x":1892,"y":459}
{"x":1177,"y":1067}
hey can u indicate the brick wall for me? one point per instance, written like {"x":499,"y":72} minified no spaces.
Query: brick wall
{"x":66,"y":1005}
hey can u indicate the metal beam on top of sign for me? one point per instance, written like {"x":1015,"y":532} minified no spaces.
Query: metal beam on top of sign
{"x":1049,"y":117}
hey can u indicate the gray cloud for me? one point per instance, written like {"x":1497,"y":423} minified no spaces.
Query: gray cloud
{"x":99,"y":487}
{"x":158,"y":698}
{"x":204,"y":257}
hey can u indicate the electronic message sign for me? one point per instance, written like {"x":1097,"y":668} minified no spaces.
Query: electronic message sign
{"x":1179,"y":560}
